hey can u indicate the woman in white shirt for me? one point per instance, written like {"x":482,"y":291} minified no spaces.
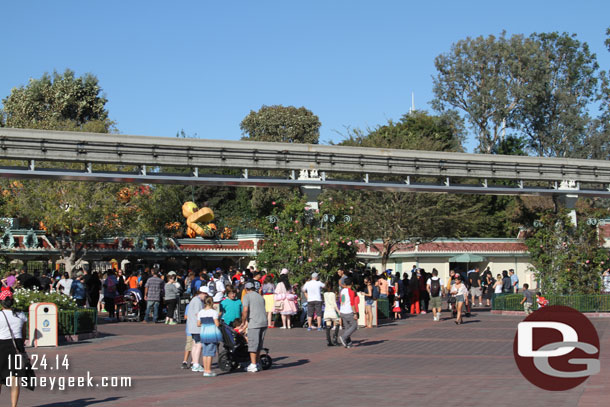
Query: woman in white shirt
{"x":460,"y":292}
{"x":13,"y":322}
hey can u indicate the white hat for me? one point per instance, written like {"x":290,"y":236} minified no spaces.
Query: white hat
{"x":204,"y":289}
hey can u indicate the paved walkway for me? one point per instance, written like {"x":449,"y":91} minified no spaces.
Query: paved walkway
{"x":414,"y":362}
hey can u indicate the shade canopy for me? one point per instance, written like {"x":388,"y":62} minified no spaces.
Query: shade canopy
{"x":466,"y":258}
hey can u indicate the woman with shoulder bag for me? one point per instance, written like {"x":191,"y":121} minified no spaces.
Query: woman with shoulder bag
{"x":14,"y":362}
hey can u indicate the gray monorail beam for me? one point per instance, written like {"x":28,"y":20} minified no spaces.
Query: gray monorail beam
{"x":39,"y":145}
{"x":151,"y":178}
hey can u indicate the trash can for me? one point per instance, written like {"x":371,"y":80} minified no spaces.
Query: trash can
{"x":43,"y":324}
{"x":383,"y":308}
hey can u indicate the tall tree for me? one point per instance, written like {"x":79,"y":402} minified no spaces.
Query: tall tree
{"x":395,"y":218}
{"x":540,"y":87}
{"x":73,"y":213}
{"x":58,"y":102}
{"x":481,"y":77}
{"x":281,"y":124}
{"x":562,"y":84}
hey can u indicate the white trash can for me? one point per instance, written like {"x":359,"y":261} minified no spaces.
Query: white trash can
{"x":43,"y":324}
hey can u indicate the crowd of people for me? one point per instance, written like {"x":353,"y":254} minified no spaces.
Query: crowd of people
{"x":250,"y":301}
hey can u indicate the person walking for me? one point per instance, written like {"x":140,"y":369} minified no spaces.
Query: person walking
{"x":12,"y":329}
{"x":514,"y":281}
{"x":153,"y":291}
{"x":207,"y":320}
{"x":77,"y":290}
{"x":528,"y":299}
{"x":194,"y":306}
{"x":284,"y":300}
{"x":349,"y":313}
{"x":460,"y":292}
{"x":268,"y":291}
{"x":171,"y":297}
{"x":312,"y":290}
{"x":436,"y":291}
{"x":255,"y":316}
{"x":331,"y":313}
{"x":110,"y":292}
{"x":369,"y":300}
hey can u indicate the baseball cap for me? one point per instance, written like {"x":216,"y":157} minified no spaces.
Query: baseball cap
{"x":314,"y":275}
{"x":204,"y":289}
{"x":249,"y":284}
{"x":171,"y":273}
{"x":284,"y":271}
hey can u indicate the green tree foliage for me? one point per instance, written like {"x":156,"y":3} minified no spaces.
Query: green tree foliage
{"x":397,"y":217}
{"x":394,"y":218}
{"x":480,"y":76}
{"x":58,"y":102}
{"x":74,"y":213}
{"x":281,"y":124}
{"x":540,"y":86}
{"x":560,"y":87}
{"x":306,"y":240}
{"x":414,"y":131}
{"x":567,"y":259}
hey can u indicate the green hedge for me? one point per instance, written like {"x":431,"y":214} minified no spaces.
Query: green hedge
{"x":582,"y":303}
{"x":72,"y":322}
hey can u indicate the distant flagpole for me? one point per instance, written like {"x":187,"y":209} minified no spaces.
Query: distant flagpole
{"x":412,"y":102}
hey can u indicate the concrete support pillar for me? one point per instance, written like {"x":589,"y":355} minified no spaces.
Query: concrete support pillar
{"x":312,"y":192}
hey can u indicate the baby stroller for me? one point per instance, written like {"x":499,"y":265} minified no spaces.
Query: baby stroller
{"x":235,"y":351}
{"x":132,"y":299}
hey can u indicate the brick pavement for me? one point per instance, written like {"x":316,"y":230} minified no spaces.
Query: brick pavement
{"x":414,"y":362}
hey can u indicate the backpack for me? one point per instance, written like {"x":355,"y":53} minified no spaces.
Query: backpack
{"x":212,"y":288}
{"x":376,"y":293}
{"x":195,"y":284}
{"x":435,"y":287}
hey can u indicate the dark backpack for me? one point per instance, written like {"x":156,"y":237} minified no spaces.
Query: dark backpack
{"x":435,"y":287}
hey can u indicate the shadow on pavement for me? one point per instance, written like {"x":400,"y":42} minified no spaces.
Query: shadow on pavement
{"x":291,"y":364}
{"x":369,"y":343}
{"x":80,"y":402}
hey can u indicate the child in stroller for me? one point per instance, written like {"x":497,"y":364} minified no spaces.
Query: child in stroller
{"x":235,"y":350}
{"x":132,"y":299}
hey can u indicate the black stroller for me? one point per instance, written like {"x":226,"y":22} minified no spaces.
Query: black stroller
{"x":132,"y":299}
{"x":235,"y":351}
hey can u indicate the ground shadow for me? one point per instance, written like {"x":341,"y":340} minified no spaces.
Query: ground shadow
{"x":90,"y":401}
{"x":471,"y":321}
{"x":299,"y":362}
{"x":369,"y":343}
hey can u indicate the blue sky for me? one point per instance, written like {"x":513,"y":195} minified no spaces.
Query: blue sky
{"x":202,"y":66}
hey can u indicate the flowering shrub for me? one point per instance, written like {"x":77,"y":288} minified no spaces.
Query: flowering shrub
{"x":24,"y":298}
{"x":567,"y":259}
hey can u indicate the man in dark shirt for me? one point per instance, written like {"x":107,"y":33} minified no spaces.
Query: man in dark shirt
{"x":27,"y":281}
{"x":45,"y":282}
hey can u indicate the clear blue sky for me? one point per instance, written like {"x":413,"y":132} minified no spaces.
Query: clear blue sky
{"x":202,"y":66}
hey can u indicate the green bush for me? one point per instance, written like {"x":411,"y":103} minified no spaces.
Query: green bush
{"x":72,"y":322}
{"x":582,"y":303}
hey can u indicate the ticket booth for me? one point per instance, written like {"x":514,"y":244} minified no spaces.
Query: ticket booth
{"x":43,"y":324}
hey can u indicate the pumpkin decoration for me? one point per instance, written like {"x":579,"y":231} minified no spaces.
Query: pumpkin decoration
{"x":197,"y":219}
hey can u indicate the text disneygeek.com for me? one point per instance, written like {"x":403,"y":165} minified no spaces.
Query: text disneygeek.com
{"x":71,"y":382}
